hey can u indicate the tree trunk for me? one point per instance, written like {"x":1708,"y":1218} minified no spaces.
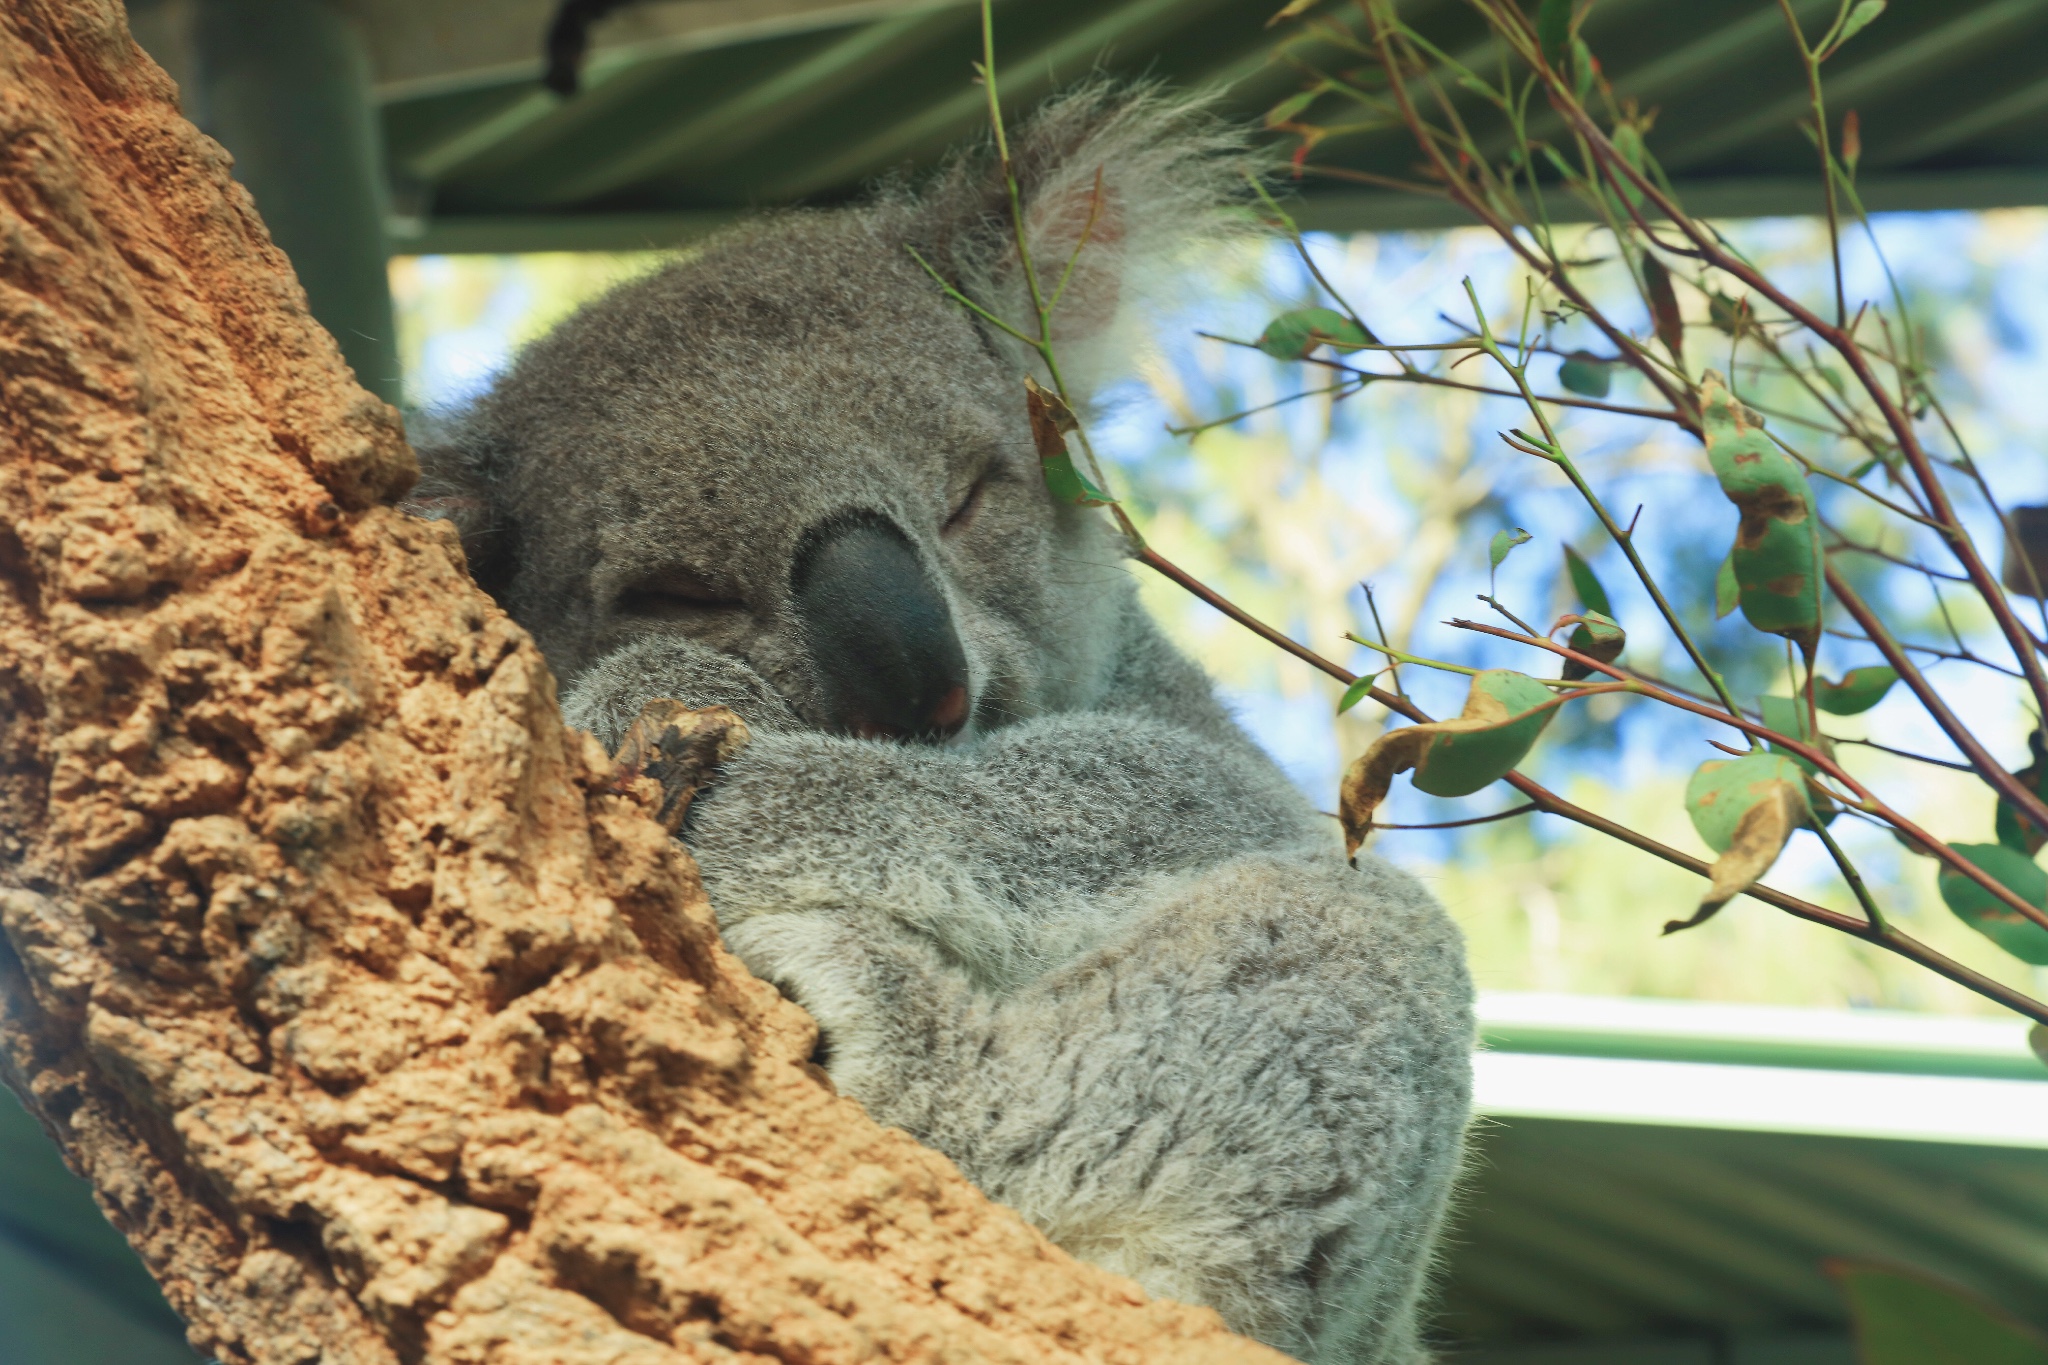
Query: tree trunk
{"x":386,"y":1021}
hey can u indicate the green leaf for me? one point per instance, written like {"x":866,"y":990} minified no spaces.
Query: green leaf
{"x":1584,"y":68}
{"x":1776,"y":560}
{"x":1989,"y":915}
{"x":1664,"y":314}
{"x":1051,"y":420}
{"x":1745,"y":809}
{"x":1858,"y":691}
{"x":1355,"y":693}
{"x":1504,"y":543}
{"x":1291,"y":10}
{"x":1727,"y":592}
{"x":1787,"y":715}
{"x":1554,"y":30}
{"x":1728,"y":315}
{"x":1585,"y":373}
{"x":1505,"y":713}
{"x":1070,"y":485}
{"x":1591,"y":595}
{"x":1294,"y":335}
{"x":1295,"y":103}
{"x":1628,"y":140}
{"x":2016,"y":830}
{"x":1860,"y":18}
{"x":1903,"y":1317}
{"x":1595,"y":635}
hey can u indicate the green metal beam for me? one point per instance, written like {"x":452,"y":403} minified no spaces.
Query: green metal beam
{"x":1758,"y":197}
{"x":1029,"y":75}
{"x":1579,"y":1186}
{"x":285,"y":86}
{"x":1974,"y":122}
{"x":515,"y":233}
{"x":748,"y":118}
{"x":1916,"y":58}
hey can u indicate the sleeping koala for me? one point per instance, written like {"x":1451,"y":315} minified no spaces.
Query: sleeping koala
{"x":1055,"y":914}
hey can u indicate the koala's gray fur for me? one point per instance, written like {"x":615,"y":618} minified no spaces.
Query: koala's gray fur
{"x":1095,"y":948}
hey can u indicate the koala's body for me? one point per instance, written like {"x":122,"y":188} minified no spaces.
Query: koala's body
{"x":1054,"y":913}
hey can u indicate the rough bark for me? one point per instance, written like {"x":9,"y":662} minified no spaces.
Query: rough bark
{"x":384,"y":1017}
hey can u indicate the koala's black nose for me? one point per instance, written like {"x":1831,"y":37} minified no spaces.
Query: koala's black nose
{"x":879,"y":632}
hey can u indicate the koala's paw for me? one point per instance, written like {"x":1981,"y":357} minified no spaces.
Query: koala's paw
{"x":675,"y":748}
{"x":607,"y":697}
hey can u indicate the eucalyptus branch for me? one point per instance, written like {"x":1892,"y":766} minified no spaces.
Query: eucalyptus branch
{"x":1550,"y":803}
{"x":1860,"y":797}
{"x":1990,"y":769}
{"x":1621,"y":537}
{"x":1810,"y":59}
{"x":1526,"y":808}
{"x":1428,"y":380}
{"x":1844,"y":344}
{"x":1343,"y":388}
{"x":1385,"y":26}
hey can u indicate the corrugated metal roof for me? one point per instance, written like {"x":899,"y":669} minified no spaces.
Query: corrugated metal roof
{"x":1576,"y":1241}
{"x":711,"y":115}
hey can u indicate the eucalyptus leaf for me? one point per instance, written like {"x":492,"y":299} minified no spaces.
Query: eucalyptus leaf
{"x":1505,"y":713}
{"x":1504,"y":543}
{"x":1628,"y":140}
{"x":2014,"y":829}
{"x":1858,"y":691}
{"x":1664,"y":314}
{"x":1584,"y":68}
{"x":1776,"y":561}
{"x":1728,"y":315}
{"x":1051,"y":420}
{"x":1788,"y":716}
{"x":1595,"y":635}
{"x":1727,"y":592}
{"x":1295,"y":335}
{"x":1989,"y":915}
{"x":1860,"y":18}
{"x":1295,"y":103}
{"x":1586,"y":584}
{"x":1903,"y":1317}
{"x":1745,"y":809}
{"x":1586,"y":374}
{"x":1356,"y":693}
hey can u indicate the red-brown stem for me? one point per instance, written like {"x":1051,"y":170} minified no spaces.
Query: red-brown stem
{"x":1551,"y":803}
{"x":1939,"y":507}
{"x":1990,"y":769}
{"x":1456,"y":187}
{"x":1152,"y":559}
{"x":1870,"y":803}
{"x":1891,"y":940}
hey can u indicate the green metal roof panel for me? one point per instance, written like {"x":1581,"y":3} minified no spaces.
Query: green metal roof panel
{"x":1953,"y":99}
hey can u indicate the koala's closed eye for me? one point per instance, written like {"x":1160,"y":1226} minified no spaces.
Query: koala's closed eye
{"x":674,"y":592}
{"x":963,"y":513}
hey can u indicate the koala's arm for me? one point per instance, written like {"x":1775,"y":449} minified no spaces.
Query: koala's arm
{"x":606,"y":698}
{"x":1253,"y":1098}
{"x":1005,"y":852}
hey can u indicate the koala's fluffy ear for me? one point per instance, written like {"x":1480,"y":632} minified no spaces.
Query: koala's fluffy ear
{"x":1123,"y":181}
{"x":453,"y":487}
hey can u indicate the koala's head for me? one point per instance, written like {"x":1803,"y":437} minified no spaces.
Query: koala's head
{"x":793,"y":448}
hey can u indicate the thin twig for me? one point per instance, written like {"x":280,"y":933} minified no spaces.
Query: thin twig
{"x":1524,"y":809}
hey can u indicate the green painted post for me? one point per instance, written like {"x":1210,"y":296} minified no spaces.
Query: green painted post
{"x":284,"y":85}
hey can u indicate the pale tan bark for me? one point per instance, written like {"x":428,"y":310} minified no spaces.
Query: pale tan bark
{"x":384,"y":1019}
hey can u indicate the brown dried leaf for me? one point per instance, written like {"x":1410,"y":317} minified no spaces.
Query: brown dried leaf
{"x":1759,"y":838}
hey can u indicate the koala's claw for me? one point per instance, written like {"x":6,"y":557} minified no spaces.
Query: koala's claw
{"x":676,"y":747}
